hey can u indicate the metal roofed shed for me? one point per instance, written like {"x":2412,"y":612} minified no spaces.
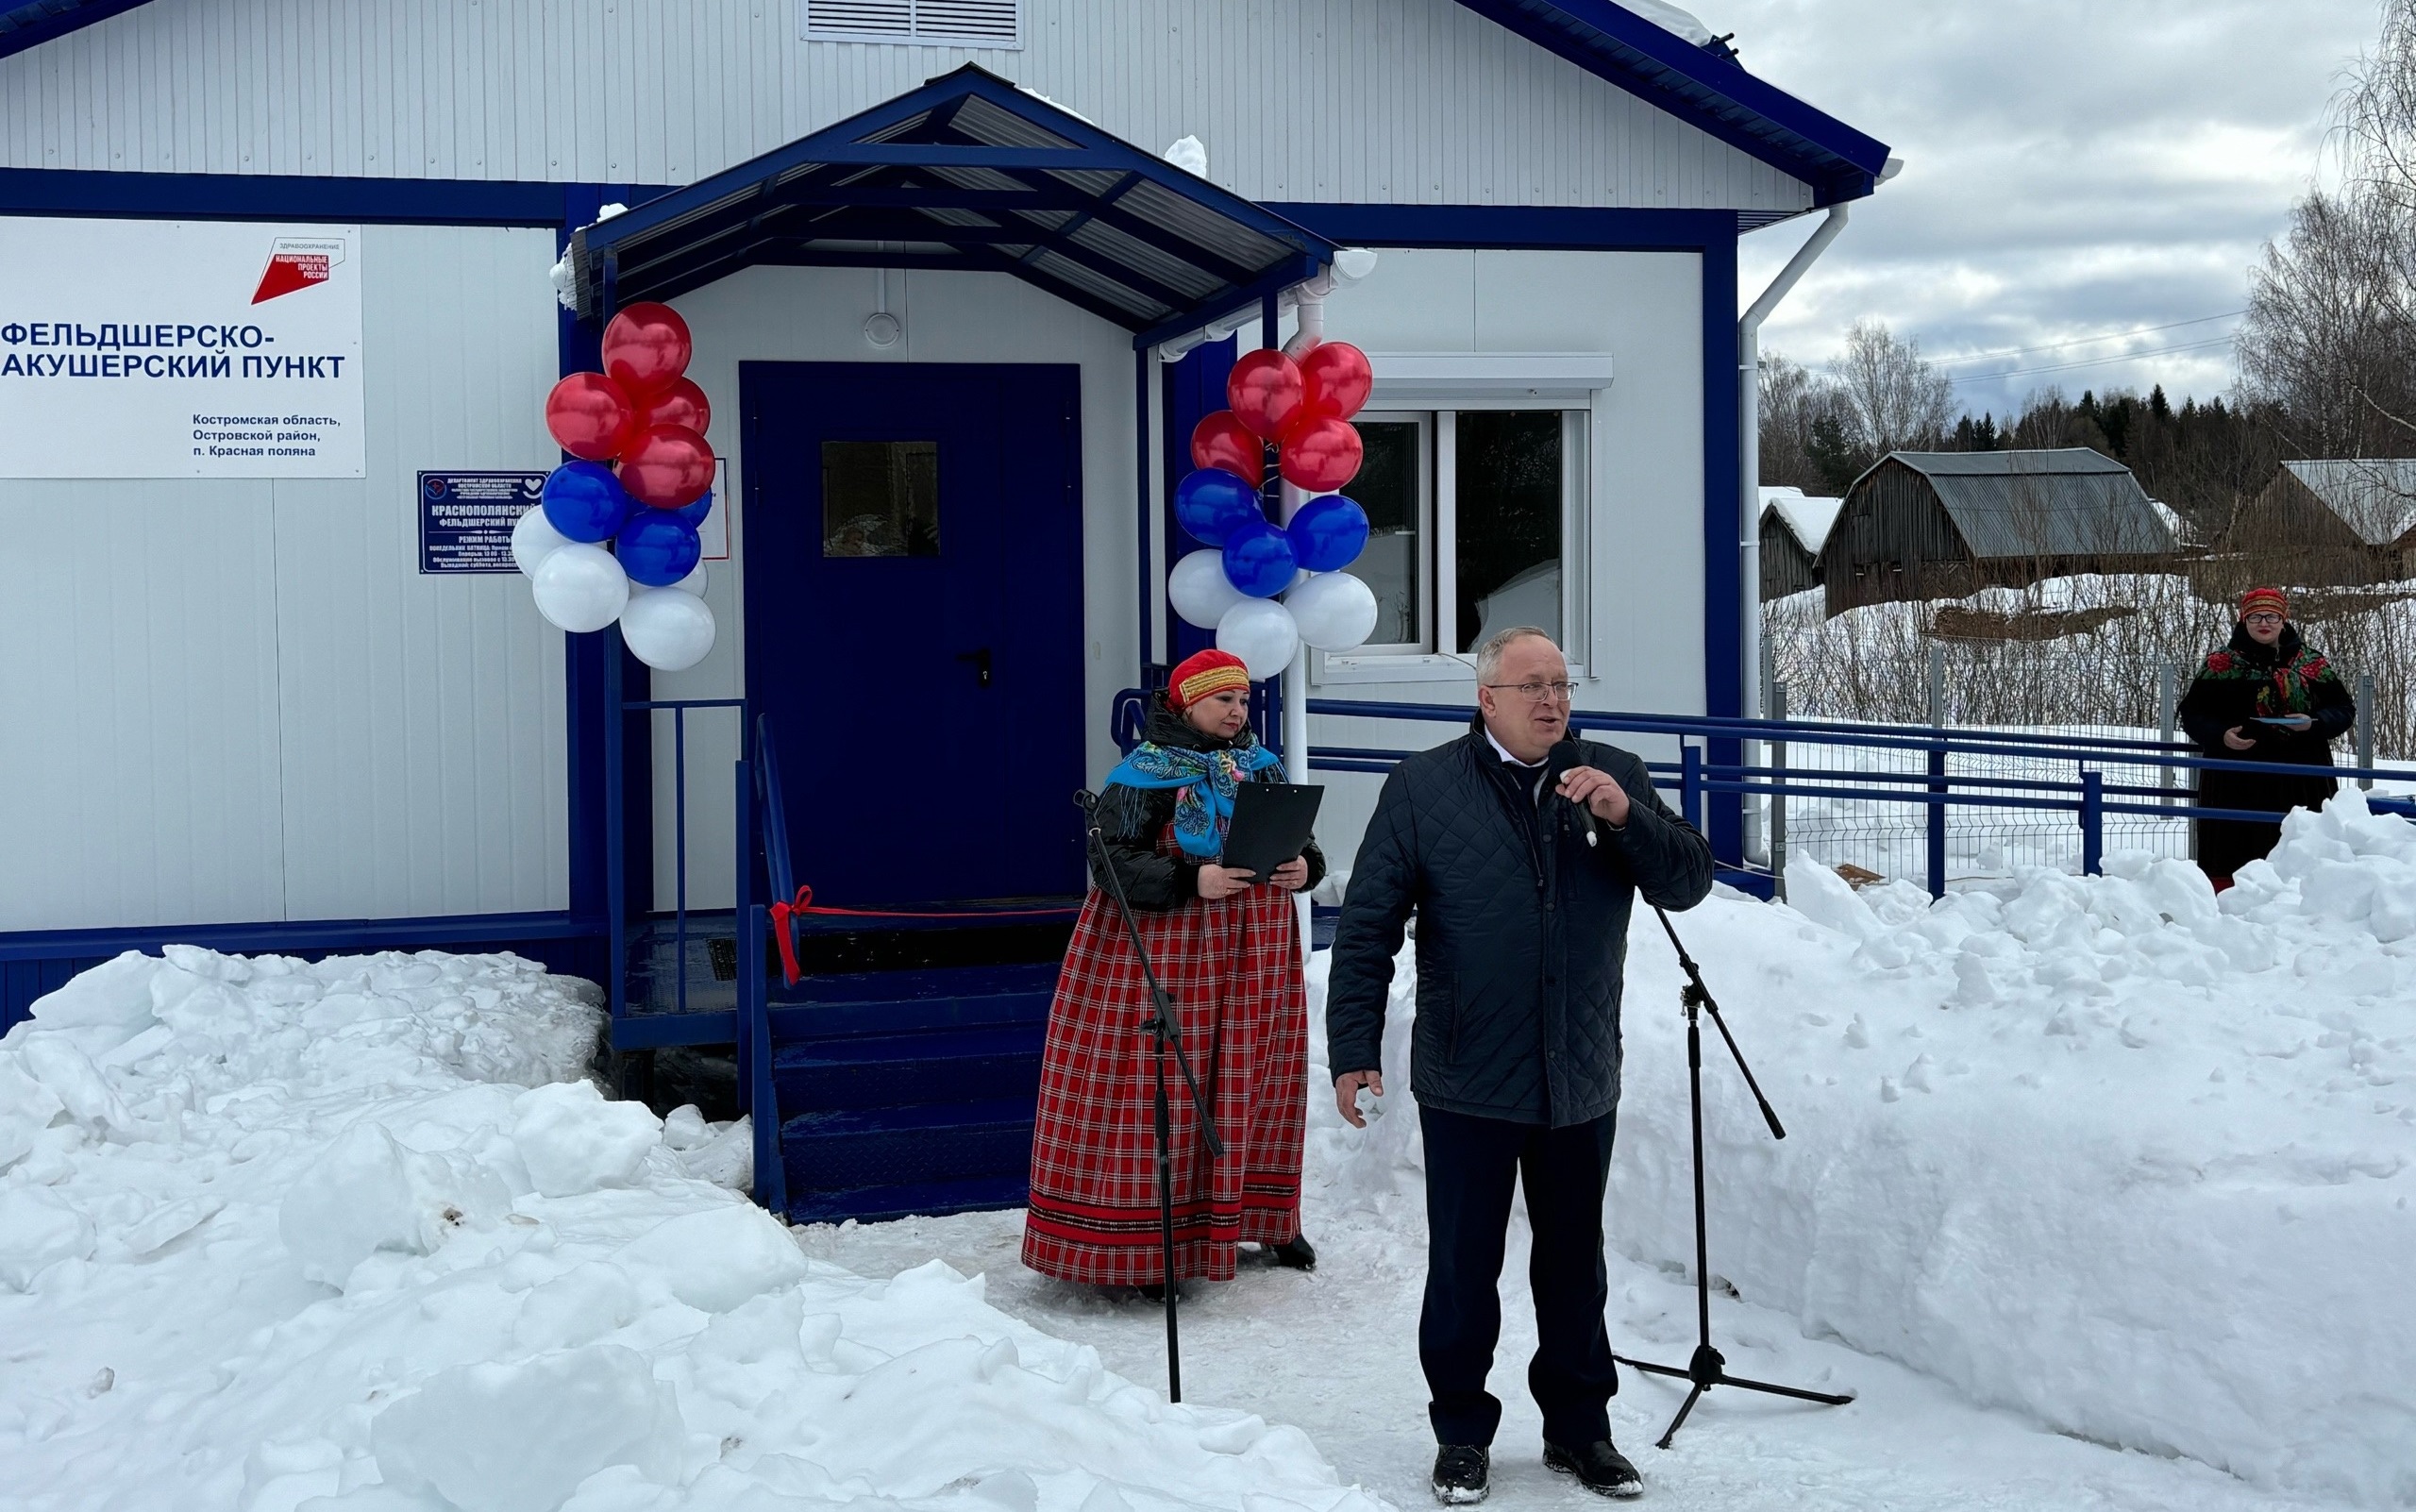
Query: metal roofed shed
{"x":2327,"y":523}
{"x":1794,"y":529}
{"x":972,"y":174}
{"x":1924,"y":524}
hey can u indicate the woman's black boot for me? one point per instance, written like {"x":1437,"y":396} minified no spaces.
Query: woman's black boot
{"x":1296,"y":1254}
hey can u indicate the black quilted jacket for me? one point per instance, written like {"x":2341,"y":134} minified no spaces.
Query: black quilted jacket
{"x":1521,"y":933}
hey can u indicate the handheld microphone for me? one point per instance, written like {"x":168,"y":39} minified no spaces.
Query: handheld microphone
{"x":1566,"y":754}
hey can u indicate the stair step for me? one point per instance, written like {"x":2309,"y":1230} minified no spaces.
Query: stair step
{"x":875,"y":1205}
{"x":890,"y":1070}
{"x":887,"y":1002}
{"x":841,"y":1149}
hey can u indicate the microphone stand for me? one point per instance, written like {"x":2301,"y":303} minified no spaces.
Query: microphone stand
{"x":1707,"y":1368}
{"x":1169,"y":1034}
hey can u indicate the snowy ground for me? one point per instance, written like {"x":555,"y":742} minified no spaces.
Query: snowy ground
{"x":2096,"y":1195}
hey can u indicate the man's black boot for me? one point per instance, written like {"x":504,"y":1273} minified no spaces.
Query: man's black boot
{"x":1463,"y":1474}
{"x":1296,"y":1254}
{"x":1599,"y":1467}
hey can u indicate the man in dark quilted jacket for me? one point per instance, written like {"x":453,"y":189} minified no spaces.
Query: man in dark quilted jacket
{"x":1515,"y":1052}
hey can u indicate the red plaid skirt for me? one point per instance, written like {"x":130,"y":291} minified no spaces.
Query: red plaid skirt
{"x":1234,"y":969}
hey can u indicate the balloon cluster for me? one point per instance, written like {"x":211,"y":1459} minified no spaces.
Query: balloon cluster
{"x":616,"y":537}
{"x":1265,"y":588}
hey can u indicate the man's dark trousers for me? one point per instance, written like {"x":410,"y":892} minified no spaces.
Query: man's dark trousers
{"x":1472,"y":1165}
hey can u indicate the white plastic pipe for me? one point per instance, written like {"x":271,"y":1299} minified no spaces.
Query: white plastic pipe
{"x":1310,"y":312}
{"x":1749,"y":483}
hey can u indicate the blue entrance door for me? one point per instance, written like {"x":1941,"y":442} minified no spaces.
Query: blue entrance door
{"x":914,"y":625}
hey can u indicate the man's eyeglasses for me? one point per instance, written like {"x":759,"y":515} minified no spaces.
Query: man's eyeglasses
{"x":2261,"y":618}
{"x":1540,"y":692}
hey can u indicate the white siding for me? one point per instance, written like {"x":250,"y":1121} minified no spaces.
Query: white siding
{"x":816,"y":315}
{"x":239,"y":701}
{"x":1646,"y":562}
{"x":1379,"y":101}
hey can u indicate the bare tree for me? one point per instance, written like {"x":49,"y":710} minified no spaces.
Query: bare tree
{"x":1799,"y":411}
{"x":1893,"y":399}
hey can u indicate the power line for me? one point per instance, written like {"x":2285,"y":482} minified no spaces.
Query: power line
{"x":2094,"y":361}
{"x":2084,"y":341}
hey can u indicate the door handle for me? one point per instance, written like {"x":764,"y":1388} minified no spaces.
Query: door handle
{"x":981,"y":660}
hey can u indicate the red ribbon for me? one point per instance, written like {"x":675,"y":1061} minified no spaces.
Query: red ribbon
{"x":785,"y":914}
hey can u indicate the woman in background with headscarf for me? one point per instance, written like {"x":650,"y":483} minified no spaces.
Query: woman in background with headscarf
{"x":2266,"y":696}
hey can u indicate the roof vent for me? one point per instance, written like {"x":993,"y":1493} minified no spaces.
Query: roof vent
{"x":926,"y":22}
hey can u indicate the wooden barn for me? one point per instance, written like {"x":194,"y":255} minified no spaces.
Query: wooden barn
{"x":1794,"y":528}
{"x":1924,"y":524}
{"x":2336,"y":522}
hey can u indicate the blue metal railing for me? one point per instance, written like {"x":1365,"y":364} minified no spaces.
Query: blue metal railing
{"x":616,"y":850}
{"x":2088,"y":796}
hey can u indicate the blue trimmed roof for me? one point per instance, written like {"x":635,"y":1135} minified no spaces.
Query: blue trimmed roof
{"x":968,"y":173}
{"x":30,"y":26}
{"x":1704,"y":86}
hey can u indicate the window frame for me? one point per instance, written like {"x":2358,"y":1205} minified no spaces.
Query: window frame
{"x":1424,"y":659}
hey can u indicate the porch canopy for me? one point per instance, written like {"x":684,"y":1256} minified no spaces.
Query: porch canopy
{"x":972,"y":174}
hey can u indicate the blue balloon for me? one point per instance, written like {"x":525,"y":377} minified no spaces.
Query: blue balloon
{"x":1258,"y":560}
{"x":658,"y":548}
{"x":585,"y":502}
{"x":1212,"y":504}
{"x":1328,"y":533}
{"x":695,"y":514}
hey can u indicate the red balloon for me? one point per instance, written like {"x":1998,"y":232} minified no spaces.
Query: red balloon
{"x":646,"y":346}
{"x":667,"y":467}
{"x":1264,"y":391}
{"x":680,"y":404}
{"x":590,"y":416}
{"x":1220,"y":439}
{"x":1320,"y":454}
{"x":1337,"y":379}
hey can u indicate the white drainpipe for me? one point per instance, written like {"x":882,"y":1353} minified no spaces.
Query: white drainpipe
{"x":1749,"y":487}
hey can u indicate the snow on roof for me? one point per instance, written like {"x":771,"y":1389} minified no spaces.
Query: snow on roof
{"x":1807,"y":519}
{"x":1670,"y":19}
{"x":2374,"y":496}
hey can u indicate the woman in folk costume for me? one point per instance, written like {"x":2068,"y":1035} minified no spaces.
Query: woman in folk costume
{"x":2266,"y":696}
{"x":1227,"y":947}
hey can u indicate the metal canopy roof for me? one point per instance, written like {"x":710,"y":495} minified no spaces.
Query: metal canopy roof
{"x":1702,"y":86}
{"x":966,"y":172}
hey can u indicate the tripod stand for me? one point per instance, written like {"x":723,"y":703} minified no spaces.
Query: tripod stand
{"x":1168,"y":1033}
{"x":1707,"y":1368}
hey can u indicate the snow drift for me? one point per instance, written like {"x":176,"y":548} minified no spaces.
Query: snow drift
{"x":2100,"y":1150}
{"x":350,"y":1237}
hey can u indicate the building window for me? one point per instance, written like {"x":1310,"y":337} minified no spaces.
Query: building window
{"x":1471,"y":515}
{"x":925,"y":22}
{"x":881,"y":499}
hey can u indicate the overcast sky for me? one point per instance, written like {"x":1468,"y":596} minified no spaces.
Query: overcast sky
{"x":2070,"y":170}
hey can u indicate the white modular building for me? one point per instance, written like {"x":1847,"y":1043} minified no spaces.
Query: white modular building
{"x":284,"y":285}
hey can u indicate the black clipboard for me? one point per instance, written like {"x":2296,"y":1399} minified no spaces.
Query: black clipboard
{"x":1272,"y":825}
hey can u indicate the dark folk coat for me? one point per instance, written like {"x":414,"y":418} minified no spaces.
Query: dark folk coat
{"x":1521,"y":932}
{"x":2233,"y":686}
{"x":1133,"y":819}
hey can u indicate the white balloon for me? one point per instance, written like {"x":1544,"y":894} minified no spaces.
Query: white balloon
{"x":1334,"y":610}
{"x":581,"y":588}
{"x":694,"y":582}
{"x":667,"y":629}
{"x":1260,"y":631}
{"x":1198,"y":589}
{"x":535,"y":539}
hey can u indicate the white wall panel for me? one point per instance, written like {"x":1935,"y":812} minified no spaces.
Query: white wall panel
{"x":138,"y":717}
{"x":424,"y":715}
{"x":237,"y":701}
{"x":1395,"y":101}
{"x":1646,"y":562}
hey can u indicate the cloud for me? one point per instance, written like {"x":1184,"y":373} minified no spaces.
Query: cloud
{"x":2070,"y":170}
